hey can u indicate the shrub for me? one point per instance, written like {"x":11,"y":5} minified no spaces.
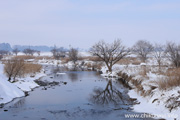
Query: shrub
{"x":129,"y":60}
{"x":30,"y":68}
{"x":171,"y":80}
{"x":17,"y":67}
{"x":13,"y":68}
{"x":64,"y":60}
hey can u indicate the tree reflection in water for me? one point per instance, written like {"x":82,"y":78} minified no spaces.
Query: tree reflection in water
{"x":73,"y":76}
{"x":109,"y":95}
{"x":18,"y":103}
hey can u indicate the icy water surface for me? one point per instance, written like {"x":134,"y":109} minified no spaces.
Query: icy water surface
{"x":81,"y":95}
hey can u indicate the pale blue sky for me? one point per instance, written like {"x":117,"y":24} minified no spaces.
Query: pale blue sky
{"x":81,"y":23}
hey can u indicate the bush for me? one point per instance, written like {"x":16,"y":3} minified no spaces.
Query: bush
{"x":17,"y":67}
{"x":30,"y":68}
{"x":13,"y":68}
{"x":171,"y":80}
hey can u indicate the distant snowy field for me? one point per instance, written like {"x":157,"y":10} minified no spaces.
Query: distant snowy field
{"x":50,"y":54}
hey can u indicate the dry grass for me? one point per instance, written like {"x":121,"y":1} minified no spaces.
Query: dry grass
{"x":64,"y":60}
{"x":88,"y":64}
{"x":98,"y":65}
{"x":30,"y":68}
{"x":91,"y":58}
{"x":19,"y":68}
{"x":171,"y":80}
{"x":24,"y":57}
{"x":129,"y":60}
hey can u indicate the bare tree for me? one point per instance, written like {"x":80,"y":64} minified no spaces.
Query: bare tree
{"x":143,"y":49}
{"x":109,"y":53}
{"x":173,"y":53}
{"x":62,"y":52}
{"x":3,"y":52}
{"x":29,"y":51}
{"x":158,"y":54}
{"x":38,"y":52}
{"x":13,"y":68}
{"x":16,"y":51}
{"x":73,"y":55}
{"x":54,"y":51}
{"x":58,"y":52}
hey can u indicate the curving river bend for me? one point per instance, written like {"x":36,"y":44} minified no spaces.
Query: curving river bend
{"x":80,"y":95}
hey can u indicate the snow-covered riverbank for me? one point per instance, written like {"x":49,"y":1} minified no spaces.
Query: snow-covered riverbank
{"x":158,"y":103}
{"x":9,"y":91}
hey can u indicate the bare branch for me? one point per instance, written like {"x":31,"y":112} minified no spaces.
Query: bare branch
{"x":109,"y":53}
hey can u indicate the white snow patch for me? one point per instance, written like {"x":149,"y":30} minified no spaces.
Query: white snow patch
{"x":8,"y":91}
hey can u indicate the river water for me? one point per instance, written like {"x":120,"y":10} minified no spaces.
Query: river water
{"x":81,"y":95}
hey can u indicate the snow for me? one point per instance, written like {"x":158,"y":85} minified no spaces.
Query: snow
{"x":60,"y":73}
{"x":156,"y":103}
{"x":156,"y":108}
{"x":9,"y":91}
{"x":143,"y":64}
{"x":84,"y":54}
{"x":27,"y":84}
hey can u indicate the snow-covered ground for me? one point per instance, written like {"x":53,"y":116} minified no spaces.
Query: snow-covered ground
{"x":9,"y":91}
{"x":158,"y":101}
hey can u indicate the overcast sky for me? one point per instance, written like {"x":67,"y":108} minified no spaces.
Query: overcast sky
{"x":81,"y":23}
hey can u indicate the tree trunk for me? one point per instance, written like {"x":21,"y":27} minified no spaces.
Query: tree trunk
{"x":110,"y":68}
{"x":9,"y":78}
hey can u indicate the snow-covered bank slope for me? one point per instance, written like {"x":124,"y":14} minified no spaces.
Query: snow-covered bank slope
{"x":160,"y":103}
{"x":8,"y":91}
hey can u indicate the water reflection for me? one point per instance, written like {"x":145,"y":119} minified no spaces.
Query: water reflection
{"x":109,"y":95}
{"x":19,"y":103}
{"x":73,"y":76}
{"x":59,"y":69}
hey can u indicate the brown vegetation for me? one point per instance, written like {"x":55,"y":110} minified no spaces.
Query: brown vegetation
{"x":31,"y":68}
{"x":13,"y":68}
{"x":24,"y":57}
{"x":129,"y":60}
{"x":64,"y":60}
{"x":18,"y":67}
{"x":172,"y":79}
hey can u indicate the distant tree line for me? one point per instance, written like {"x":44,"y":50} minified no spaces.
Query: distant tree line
{"x":113,"y":52}
{"x":15,"y":51}
{"x":61,"y":52}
